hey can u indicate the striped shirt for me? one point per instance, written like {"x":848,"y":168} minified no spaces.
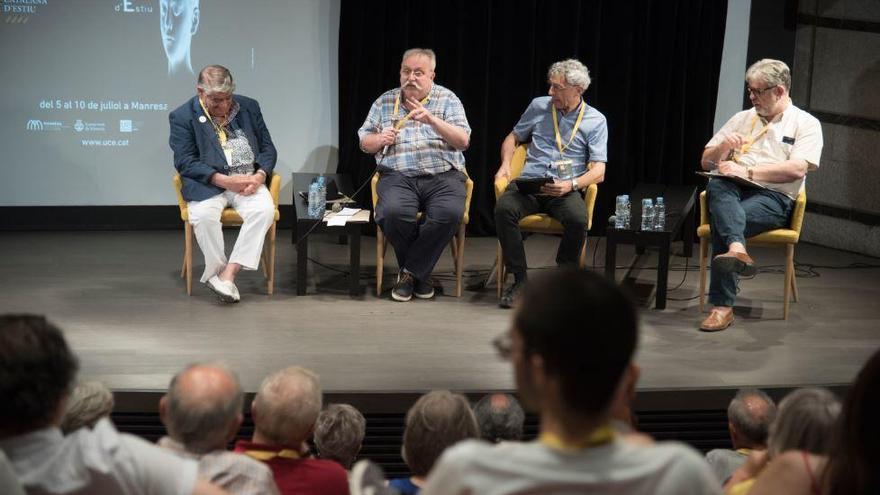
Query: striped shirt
{"x":418,"y":149}
{"x":235,"y":473}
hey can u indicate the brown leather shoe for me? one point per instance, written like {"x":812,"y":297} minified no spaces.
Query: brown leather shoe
{"x":731,"y":262}
{"x":716,"y":321}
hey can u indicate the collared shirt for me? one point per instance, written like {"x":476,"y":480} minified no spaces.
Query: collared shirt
{"x":590,"y":143}
{"x":418,"y":149}
{"x":100,"y":460}
{"x":235,"y":473}
{"x":792,"y":135}
{"x":302,"y":476}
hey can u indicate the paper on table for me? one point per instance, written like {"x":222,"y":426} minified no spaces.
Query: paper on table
{"x":347,"y":212}
{"x":337,"y":220}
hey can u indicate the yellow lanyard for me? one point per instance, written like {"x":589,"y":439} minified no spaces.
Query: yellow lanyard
{"x":745,"y":452}
{"x":574,"y":130}
{"x":265,"y":455}
{"x":751,"y":140}
{"x":600,"y":436}
{"x":400,"y":123}
{"x":221,"y":133}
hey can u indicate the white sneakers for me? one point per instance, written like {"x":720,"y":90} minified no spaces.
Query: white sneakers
{"x":225,"y":290}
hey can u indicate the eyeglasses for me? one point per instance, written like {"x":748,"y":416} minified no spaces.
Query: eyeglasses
{"x":757,"y":92}
{"x":558,"y":87}
{"x":503,"y":345}
{"x":407,"y":72}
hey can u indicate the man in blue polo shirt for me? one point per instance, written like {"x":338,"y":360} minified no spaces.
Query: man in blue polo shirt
{"x":568,"y":144}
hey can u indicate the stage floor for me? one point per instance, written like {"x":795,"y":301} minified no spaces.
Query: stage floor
{"x":123,"y":307}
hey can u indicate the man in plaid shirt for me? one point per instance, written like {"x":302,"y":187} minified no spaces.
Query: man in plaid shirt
{"x":417,"y":133}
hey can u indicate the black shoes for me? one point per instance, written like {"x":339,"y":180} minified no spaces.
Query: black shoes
{"x":423,"y":290}
{"x":508,"y":297}
{"x":408,"y":286}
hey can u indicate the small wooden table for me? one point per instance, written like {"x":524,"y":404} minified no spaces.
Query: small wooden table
{"x":303,"y":226}
{"x":680,"y":218}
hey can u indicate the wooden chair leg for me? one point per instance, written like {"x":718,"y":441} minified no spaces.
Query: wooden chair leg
{"x":794,"y":289}
{"x":582,"y":260}
{"x":270,"y":260}
{"x":380,"y":260}
{"x":499,"y":263}
{"x":459,"y":259}
{"x":789,"y":275}
{"x":704,"y":255}
{"x":187,"y":256}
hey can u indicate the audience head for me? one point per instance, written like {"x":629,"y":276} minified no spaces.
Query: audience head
{"x":37,"y":370}
{"x":203,"y":407}
{"x":286,"y":406}
{"x":89,"y":402}
{"x":855,"y":454}
{"x":560,"y":363}
{"x":500,"y":417}
{"x":805,"y":421}
{"x":438,"y":420}
{"x":339,"y":433}
{"x":749,"y":416}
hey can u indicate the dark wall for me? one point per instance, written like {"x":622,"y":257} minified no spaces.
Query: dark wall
{"x":654,"y":65}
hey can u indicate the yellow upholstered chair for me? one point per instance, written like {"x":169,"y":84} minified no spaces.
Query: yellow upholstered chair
{"x":229,"y":217}
{"x":786,"y":238}
{"x":539,"y":223}
{"x":456,"y":245}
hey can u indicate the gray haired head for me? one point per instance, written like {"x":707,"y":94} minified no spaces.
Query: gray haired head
{"x":574,"y":72}
{"x":215,"y":79}
{"x":425,"y":52}
{"x":339,"y":433}
{"x":750,"y":413}
{"x":500,"y":417}
{"x":806,"y":421}
{"x":89,"y":402}
{"x":204,"y":401}
{"x":771,"y":72}
{"x":287,"y":405}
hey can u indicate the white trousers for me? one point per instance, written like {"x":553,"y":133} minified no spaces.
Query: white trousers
{"x":258,"y":213}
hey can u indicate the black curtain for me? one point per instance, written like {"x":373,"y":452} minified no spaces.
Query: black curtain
{"x":654,"y":66}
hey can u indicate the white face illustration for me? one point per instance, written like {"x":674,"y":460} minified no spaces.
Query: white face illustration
{"x":178,"y":22}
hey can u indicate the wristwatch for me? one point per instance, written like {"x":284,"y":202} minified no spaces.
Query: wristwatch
{"x":574,"y":184}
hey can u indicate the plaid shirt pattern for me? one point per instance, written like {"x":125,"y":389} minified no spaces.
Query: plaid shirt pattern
{"x":418,"y":150}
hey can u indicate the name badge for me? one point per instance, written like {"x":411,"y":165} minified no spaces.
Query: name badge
{"x":563,"y":168}
{"x":787,"y":140}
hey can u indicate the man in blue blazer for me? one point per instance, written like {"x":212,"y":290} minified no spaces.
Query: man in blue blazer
{"x":224,"y":154}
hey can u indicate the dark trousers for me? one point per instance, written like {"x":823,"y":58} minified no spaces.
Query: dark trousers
{"x":440,"y":198}
{"x":512,"y":206}
{"x":736,"y":213}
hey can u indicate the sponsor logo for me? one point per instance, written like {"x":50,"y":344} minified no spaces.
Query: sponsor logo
{"x":80,"y":126}
{"x":37,"y":125}
{"x":125,"y":126}
{"x":20,"y":11}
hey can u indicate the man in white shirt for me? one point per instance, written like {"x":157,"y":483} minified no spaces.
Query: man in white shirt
{"x":773,"y":144}
{"x":37,"y":371}
{"x":571,"y":374}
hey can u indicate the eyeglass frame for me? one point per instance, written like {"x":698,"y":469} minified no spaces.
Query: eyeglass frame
{"x":758,"y":92}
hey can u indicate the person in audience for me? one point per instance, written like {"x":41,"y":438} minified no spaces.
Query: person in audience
{"x":438,"y":420}
{"x":500,"y":417}
{"x":89,"y":402}
{"x":339,"y":433}
{"x":224,"y":155}
{"x":202,"y":412}
{"x":773,"y":144}
{"x":37,"y":372}
{"x":567,"y":141}
{"x":798,"y":441}
{"x":570,"y":375}
{"x":417,"y":133}
{"x":285,"y":410}
{"x":855,"y":452}
{"x":749,"y":416}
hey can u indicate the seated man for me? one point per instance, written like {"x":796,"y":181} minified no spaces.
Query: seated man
{"x":417,"y":133}
{"x":224,"y":154}
{"x":571,"y":376}
{"x":202,"y":412}
{"x":568,"y":144}
{"x":339,"y":433}
{"x":748,"y":418}
{"x":284,"y":411}
{"x":500,"y":417}
{"x":773,"y":144}
{"x":37,"y":370}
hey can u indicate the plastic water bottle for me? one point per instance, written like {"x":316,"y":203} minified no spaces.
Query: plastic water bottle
{"x":626,"y":211}
{"x":660,"y":214}
{"x":621,"y":212}
{"x":647,"y":214}
{"x":317,"y":198}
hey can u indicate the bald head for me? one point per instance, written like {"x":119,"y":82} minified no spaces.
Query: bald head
{"x":749,"y":415}
{"x":287,"y":406}
{"x":202,"y":409}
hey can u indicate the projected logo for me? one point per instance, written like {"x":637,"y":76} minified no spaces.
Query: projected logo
{"x":178,"y":23}
{"x":19,"y":11}
{"x":133,"y":7}
{"x":128,"y":125}
{"x":80,"y":126}
{"x":43,"y":125}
